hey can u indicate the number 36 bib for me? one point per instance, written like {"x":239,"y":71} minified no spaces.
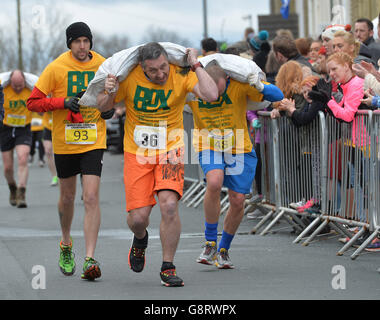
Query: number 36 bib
{"x":81,"y":133}
{"x":150,"y":137}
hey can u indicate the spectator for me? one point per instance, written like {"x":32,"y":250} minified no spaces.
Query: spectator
{"x":340,"y":70}
{"x":328,"y":36}
{"x":311,"y":108}
{"x":289,"y":81}
{"x":345,"y":42}
{"x":303,"y":47}
{"x":261,"y":48}
{"x":368,"y":72}
{"x":272,"y":67}
{"x":209,"y":46}
{"x":320,"y":66}
{"x":285,"y":50}
{"x":315,"y":46}
{"x":248,"y":33}
{"x":284,"y":32}
{"x":364,"y":33}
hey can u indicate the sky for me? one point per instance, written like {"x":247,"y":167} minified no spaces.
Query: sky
{"x":134,"y":18}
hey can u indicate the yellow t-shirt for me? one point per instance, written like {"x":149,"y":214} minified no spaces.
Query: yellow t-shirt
{"x":16,"y":114}
{"x":47,"y":120}
{"x":154,"y":113}
{"x":222,"y":125}
{"x":36,"y":124}
{"x":65,"y":77}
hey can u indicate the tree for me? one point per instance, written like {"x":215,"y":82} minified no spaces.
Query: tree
{"x":157,"y":34}
{"x":107,"y":46}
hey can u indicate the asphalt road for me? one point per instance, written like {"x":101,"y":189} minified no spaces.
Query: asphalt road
{"x":267,"y":267}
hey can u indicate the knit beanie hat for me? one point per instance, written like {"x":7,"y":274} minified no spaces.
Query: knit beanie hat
{"x":256,"y":41}
{"x":76,"y":30}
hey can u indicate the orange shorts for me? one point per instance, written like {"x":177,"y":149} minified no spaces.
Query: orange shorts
{"x":144,"y":177}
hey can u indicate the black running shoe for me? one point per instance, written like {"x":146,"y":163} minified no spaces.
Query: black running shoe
{"x":136,"y":259}
{"x":169,"y":278}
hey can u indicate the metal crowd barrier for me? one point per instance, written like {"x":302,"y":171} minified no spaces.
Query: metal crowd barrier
{"x":289,"y":155}
{"x":335,"y":163}
{"x":346,"y":167}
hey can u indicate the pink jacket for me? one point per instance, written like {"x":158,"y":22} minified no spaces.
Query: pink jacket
{"x":346,"y":109}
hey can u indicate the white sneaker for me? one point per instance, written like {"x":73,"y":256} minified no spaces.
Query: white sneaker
{"x":223,"y":260}
{"x":257,"y":214}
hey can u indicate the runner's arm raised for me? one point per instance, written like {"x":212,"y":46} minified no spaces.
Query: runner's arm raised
{"x":106,"y":100}
{"x":206,"y":88}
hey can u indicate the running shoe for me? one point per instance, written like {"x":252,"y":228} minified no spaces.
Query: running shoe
{"x":169,"y":278}
{"x":54,"y":181}
{"x":91,"y":269}
{"x":208,"y":256}
{"x":257,"y":198}
{"x":308,"y":205}
{"x":66,"y":259}
{"x":20,"y":198}
{"x":12,"y":194}
{"x":136,"y":258}
{"x":223,"y":260}
{"x":296,"y":205}
{"x":257,"y":214}
{"x":374,"y":246}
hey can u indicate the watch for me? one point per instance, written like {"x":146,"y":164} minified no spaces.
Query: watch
{"x":195,"y":66}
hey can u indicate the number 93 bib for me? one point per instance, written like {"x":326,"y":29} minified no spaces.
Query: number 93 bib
{"x":80,"y":133}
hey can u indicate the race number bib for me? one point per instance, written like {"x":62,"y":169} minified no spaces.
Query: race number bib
{"x":150,"y":137}
{"x":14,"y":120}
{"x":222,"y":143}
{"x":81,"y":133}
{"x":36,"y":122}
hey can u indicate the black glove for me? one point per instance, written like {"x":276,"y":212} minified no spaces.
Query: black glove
{"x":108,"y":114}
{"x":72,"y":104}
{"x":325,"y":88}
{"x":318,"y":96}
{"x":80,"y":94}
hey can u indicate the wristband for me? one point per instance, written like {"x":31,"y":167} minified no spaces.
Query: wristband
{"x":195,"y":66}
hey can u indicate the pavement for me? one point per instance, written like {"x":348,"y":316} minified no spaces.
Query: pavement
{"x":268,"y":267}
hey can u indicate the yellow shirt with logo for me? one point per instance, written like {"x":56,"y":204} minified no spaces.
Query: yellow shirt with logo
{"x":16,"y":114}
{"x":154,"y":113}
{"x":65,"y":77}
{"x":37,"y":122}
{"x":222,"y":125}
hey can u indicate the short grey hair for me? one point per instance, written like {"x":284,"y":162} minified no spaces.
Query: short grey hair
{"x":151,"y":51}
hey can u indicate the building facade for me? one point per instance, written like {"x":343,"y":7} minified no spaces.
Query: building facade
{"x":315,"y":15}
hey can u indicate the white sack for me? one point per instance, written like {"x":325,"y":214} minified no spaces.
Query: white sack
{"x":236,"y":67}
{"x":121,"y":64}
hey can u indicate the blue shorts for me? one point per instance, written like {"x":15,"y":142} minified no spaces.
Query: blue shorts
{"x":239,"y":170}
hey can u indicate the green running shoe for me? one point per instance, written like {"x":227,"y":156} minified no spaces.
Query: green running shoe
{"x":54,"y":181}
{"x":91,"y":269}
{"x":66,"y":259}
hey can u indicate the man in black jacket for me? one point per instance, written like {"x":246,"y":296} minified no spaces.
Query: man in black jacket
{"x":285,"y":50}
{"x":364,"y":33}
